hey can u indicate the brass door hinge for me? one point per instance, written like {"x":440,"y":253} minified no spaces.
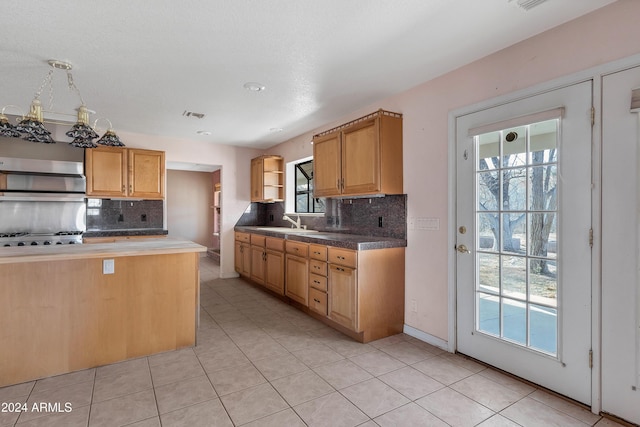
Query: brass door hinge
{"x":593,"y":116}
{"x":591,"y":238}
{"x":590,"y":359}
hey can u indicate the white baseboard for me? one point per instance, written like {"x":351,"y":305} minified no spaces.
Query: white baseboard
{"x":428,"y":338}
{"x":229,"y":275}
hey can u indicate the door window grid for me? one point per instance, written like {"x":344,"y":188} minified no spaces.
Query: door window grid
{"x":516,"y":217}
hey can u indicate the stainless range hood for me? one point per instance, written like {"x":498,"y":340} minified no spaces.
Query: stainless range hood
{"x":46,"y":180}
{"x":42,"y":196}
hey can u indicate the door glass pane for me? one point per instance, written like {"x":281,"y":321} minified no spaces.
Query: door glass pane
{"x":514,"y":232}
{"x":516,"y":278}
{"x":488,"y":279}
{"x":488,"y":191}
{"x":514,"y":195}
{"x":514,"y":320}
{"x":489,"y":309}
{"x":513,"y":276}
{"x":543,"y":326}
{"x":488,"y":226}
{"x":514,"y":148}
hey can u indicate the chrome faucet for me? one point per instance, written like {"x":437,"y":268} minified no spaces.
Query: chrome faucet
{"x":296,"y":223}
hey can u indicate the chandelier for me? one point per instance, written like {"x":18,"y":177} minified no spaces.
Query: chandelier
{"x":31,"y":126}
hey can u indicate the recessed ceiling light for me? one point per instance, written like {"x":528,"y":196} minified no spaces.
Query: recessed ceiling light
{"x":276,"y":130}
{"x":204,"y":132}
{"x":254,"y":87}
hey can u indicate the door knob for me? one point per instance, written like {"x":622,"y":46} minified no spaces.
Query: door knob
{"x":462,"y":249}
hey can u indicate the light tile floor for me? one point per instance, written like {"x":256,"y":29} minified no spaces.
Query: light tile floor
{"x":260,"y":362}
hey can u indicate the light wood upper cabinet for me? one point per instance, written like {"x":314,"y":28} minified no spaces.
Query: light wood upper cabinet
{"x":327,"y":163}
{"x":106,"y":170}
{"x":125,"y":172}
{"x":267,"y":179}
{"x":146,"y":173}
{"x":363,"y":157}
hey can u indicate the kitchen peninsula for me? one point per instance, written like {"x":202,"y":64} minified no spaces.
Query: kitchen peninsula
{"x":69,"y":307}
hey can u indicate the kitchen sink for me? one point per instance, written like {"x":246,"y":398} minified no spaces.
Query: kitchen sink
{"x":286,"y":230}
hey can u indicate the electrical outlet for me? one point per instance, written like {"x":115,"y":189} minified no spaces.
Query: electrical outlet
{"x":414,"y":306}
{"x":108,"y":266}
{"x":379,"y":221}
{"x":143,"y":217}
{"x":120,"y":218}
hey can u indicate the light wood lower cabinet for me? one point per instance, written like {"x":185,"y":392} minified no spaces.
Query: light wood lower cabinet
{"x":318,"y":279}
{"x":343,"y":292}
{"x":296,"y":283}
{"x":267,"y":262}
{"x":366,"y":291}
{"x":242,"y":254}
{"x":274,"y":277}
{"x":361,"y":293}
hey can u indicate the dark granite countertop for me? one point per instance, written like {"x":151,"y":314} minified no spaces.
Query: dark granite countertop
{"x":126,"y":232}
{"x":340,"y":240}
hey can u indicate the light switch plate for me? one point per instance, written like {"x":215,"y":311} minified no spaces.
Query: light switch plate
{"x":108,"y":266}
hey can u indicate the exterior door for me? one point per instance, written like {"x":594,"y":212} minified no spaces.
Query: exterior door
{"x":523,"y":238}
{"x":620,"y":243}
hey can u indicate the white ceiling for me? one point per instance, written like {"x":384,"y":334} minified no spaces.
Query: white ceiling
{"x":143,"y":63}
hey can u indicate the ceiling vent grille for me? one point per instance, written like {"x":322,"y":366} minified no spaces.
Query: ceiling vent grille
{"x":192,"y":114}
{"x":529,"y":4}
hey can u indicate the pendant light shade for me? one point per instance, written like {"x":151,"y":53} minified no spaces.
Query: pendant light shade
{"x":31,"y":126}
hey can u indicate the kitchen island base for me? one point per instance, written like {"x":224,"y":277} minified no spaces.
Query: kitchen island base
{"x":63,"y":315}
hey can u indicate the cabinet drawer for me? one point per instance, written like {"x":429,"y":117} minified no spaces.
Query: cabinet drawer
{"x":243,"y":237}
{"x":318,"y":267}
{"x":318,"y":252}
{"x":318,"y":301}
{"x":318,"y":282}
{"x":297,"y":248}
{"x":257,"y":240}
{"x":344,"y":257}
{"x":275,"y":244}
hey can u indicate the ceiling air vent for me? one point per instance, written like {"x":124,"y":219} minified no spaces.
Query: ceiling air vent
{"x":192,"y":114}
{"x":529,"y":4}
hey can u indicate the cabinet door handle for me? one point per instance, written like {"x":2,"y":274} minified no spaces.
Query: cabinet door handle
{"x":315,"y":281}
{"x":340,"y":257}
{"x":130,"y":188}
{"x":339,"y":269}
{"x":123,"y":188}
{"x":316,"y":300}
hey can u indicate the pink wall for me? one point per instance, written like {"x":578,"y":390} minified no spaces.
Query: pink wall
{"x":605,"y":35}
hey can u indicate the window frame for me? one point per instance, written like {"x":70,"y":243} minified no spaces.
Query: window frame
{"x":291,"y":189}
